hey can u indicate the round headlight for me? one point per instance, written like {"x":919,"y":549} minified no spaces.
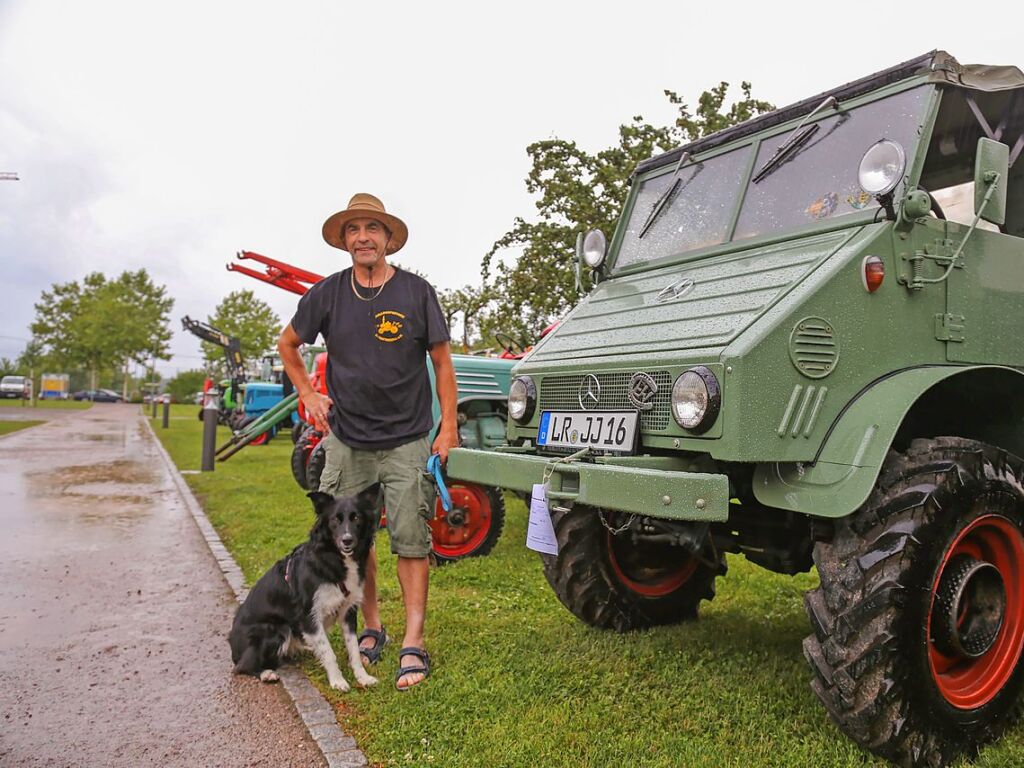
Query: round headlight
{"x":522,"y":398}
{"x":882,"y":167}
{"x":594,"y":247}
{"x":696,"y":399}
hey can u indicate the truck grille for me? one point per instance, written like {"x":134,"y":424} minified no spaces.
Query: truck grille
{"x":561,"y":393}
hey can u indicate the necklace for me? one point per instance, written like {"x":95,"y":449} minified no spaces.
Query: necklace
{"x":359,"y":296}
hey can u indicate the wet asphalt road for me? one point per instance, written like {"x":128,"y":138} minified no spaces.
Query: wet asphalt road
{"x":114,"y":615}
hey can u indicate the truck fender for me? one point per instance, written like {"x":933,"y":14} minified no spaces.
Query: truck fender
{"x":841,"y":478}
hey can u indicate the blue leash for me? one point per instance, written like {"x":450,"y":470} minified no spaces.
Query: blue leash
{"x":434,"y":470}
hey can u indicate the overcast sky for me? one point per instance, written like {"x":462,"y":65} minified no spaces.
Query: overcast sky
{"x":170,"y":135}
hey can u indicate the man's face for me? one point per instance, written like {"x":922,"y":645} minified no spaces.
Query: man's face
{"x":366,"y":239}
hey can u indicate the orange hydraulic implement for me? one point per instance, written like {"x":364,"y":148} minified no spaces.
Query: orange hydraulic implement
{"x":277,"y":273}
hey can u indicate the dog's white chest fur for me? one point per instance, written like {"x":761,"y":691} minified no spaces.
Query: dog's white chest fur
{"x":331,"y":601}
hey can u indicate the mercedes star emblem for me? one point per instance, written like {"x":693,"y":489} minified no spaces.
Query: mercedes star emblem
{"x":590,"y":392}
{"x":674,"y":290}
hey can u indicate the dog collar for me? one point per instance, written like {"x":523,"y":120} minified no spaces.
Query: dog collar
{"x":288,"y":577}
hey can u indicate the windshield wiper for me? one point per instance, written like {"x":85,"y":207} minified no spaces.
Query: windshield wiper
{"x":662,"y":201}
{"x":794,"y":141}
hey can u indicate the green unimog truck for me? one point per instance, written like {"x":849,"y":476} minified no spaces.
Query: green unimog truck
{"x":805,"y":344}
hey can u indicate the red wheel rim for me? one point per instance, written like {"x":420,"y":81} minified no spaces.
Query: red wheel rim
{"x":659,"y":581}
{"x":969,"y":683}
{"x":461,"y":532}
{"x":260,"y":440}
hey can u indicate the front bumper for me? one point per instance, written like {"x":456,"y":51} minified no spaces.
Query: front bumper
{"x":638,"y":485}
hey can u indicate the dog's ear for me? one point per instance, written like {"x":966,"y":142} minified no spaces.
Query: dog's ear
{"x":368,"y":499}
{"x":320,"y":500}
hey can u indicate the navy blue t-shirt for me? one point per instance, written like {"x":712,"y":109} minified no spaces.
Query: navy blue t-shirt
{"x":377,"y":355}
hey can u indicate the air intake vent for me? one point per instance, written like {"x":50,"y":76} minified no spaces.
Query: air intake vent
{"x":813,"y":347}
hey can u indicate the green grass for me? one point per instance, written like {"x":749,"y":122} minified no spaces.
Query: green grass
{"x":6,"y":427}
{"x":49,"y":404}
{"x":518,"y":681}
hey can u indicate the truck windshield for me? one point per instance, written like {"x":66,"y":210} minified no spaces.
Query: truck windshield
{"x":817,"y":181}
{"x":697,"y":215}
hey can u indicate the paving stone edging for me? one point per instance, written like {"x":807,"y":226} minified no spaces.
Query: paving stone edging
{"x":339,"y":750}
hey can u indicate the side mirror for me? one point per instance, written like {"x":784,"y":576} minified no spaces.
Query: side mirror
{"x":991,"y":167}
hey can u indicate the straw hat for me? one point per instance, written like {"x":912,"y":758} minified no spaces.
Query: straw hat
{"x":365,"y":206}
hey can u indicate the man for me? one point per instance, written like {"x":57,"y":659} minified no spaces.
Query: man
{"x":379,"y":322}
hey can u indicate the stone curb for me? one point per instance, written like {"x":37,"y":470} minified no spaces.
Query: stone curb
{"x":339,"y":750}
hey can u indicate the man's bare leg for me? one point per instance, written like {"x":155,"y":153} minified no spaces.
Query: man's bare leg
{"x":371,"y":610}
{"x":414,"y":577}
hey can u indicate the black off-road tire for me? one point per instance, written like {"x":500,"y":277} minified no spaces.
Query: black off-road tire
{"x":298,"y":428}
{"x":588,"y":578}
{"x":315,"y":466}
{"x":873,"y":649}
{"x":300,"y":457}
{"x":481,"y":543}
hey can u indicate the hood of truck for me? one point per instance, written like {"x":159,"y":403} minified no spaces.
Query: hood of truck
{"x":696,"y":306}
{"x":481,"y":377}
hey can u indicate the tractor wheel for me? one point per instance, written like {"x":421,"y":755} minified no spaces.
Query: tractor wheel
{"x":298,"y":428}
{"x":473,"y":525}
{"x":315,"y":466}
{"x":262,"y":439}
{"x":919,"y":619}
{"x":608,"y":582}
{"x":300,"y":456}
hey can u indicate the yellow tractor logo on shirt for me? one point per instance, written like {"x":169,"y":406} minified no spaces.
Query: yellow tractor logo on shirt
{"x":389,"y":327}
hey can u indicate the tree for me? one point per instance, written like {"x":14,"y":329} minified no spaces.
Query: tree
{"x":100,"y":323}
{"x":468,"y":301}
{"x":578,"y":191}
{"x":253,"y":321}
{"x":7,"y":366}
{"x":143,"y":334}
{"x":186,"y":384}
{"x":71,"y":322}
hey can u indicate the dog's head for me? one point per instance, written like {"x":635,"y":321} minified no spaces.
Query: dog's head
{"x":351,"y":521}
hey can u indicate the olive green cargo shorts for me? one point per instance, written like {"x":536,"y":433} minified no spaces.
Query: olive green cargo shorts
{"x":408,"y":493}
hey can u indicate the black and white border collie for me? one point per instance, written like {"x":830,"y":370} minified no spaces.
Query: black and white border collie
{"x":302,"y":595}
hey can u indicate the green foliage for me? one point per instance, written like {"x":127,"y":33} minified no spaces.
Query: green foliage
{"x":100,"y":324}
{"x":8,"y":367}
{"x":251,"y":320}
{"x":577,"y":191}
{"x":467,"y":301}
{"x":32,"y":357}
{"x":186,"y":384}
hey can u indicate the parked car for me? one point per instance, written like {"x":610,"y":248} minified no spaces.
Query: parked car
{"x":18,"y":387}
{"x":98,"y":396}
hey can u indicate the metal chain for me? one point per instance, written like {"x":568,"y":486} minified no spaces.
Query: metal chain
{"x":614,"y":531}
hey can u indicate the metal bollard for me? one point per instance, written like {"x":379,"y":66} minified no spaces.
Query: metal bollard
{"x":154,"y":405}
{"x":210,"y":429}
{"x":167,"y":411}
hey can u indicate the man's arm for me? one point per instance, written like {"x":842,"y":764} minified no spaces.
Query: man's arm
{"x":317,"y":405}
{"x":447,"y":396}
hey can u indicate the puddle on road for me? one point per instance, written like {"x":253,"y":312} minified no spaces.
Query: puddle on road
{"x":122,"y":481}
{"x":120,"y":471}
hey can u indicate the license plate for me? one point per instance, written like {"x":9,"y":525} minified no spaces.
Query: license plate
{"x":601,"y":430}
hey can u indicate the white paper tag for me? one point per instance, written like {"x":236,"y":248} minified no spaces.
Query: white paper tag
{"x":540,"y":536}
